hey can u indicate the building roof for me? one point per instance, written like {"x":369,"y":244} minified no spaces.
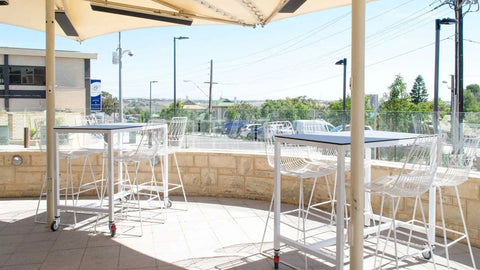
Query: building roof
{"x":194,"y":107}
{"x":223,"y":102}
{"x":41,"y":52}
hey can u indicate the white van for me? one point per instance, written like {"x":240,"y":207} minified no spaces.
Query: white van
{"x":311,"y":126}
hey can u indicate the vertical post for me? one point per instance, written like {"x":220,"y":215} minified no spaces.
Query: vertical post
{"x":357,"y":134}
{"x":277,"y":199}
{"x":120,"y":99}
{"x":344,"y":107}
{"x":88,"y":93}
{"x":174,"y":78}
{"x":6,"y":82}
{"x":435,"y":82}
{"x":458,"y":72}
{"x":26,"y":137}
{"x":210,"y":96}
{"x":459,"y":58}
{"x":150,"y":105}
{"x":50,"y":96}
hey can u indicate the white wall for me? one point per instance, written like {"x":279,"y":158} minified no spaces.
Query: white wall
{"x":26,"y":104}
{"x":69,"y":73}
{"x":18,"y":60}
{"x":69,"y":84}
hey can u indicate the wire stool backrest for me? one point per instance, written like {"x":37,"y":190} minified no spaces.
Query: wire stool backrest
{"x":419,"y":125}
{"x":270,"y":129}
{"x":176,"y":132}
{"x":458,"y":164}
{"x":154,"y":137}
{"x":315,"y":126}
{"x":419,"y":168}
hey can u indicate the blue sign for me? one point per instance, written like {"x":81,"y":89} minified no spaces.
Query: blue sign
{"x":95,"y":95}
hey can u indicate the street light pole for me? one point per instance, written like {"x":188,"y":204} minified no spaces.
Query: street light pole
{"x":119,"y":56}
{"x":120,"y":100}
{"x":151,"y":97}
{"x":175,"y":73}
{"x":344,"y":63}
{"x":438,"y":23}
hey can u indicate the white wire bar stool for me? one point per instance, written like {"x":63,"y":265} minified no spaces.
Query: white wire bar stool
{"x":130,"y":189}
{"x":413,"y":180}
{"x":71,"y":147}
{"x":457,"y":168}
{"x":176,"y":139}
{"x":326,"y":158}
{"x":299,"y":162}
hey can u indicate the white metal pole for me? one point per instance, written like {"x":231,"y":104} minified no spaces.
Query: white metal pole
{"x":50,"y":97}
{"x":120,"y":98}
{"x":357,"y":133}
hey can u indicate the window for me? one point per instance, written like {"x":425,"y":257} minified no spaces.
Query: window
{"x":27,"y":75}
{"x":2,"y":81}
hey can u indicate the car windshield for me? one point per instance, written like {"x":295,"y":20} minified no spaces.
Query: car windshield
{"x":336,"y":129}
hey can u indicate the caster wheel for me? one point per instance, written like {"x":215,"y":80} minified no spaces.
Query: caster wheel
{"x":54,"y":226}
{"x":169,"y":203}
{"x":427,"y":255}
{"x":113,"y":229}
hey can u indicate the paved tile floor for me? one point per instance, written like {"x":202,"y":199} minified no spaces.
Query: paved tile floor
{"x":215,"y":233}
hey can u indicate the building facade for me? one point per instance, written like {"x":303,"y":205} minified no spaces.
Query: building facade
{"x":22,"y":80}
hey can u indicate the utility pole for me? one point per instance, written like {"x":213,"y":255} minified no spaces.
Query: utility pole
{"x":458,"y":73}
{"x":211,"y":83}
{"x":459,"y":55}
{"x":210,"y":91}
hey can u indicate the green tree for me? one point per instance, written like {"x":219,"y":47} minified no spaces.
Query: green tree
{"x":475,"y":89}
{"x":288,"y":109}
{"x":108,"y":103}
{"x":334,"y":114}
{"x":469,"y":102}
{"x":243,"y":111}
{"x":167,"y":113}
{"x":395,"y":108}
{"x":397,"y":99}
{"x":419,"y":91}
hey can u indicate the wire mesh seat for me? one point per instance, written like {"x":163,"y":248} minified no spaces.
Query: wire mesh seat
{"x":414,"y":179}
{"x":456,"y":171}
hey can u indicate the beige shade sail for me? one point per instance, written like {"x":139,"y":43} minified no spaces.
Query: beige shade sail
{"x":84,"y":19}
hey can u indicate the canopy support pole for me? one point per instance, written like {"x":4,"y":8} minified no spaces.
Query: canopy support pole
{"x":50,"y":96}
{"x":357,"y":135}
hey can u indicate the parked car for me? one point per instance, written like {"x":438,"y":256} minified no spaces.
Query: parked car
{"x":259,"y":134}
{"x":232,"y":129}
{"x":248,"y":131}
{"x":311,"y":126}
{"x":347,"y":128}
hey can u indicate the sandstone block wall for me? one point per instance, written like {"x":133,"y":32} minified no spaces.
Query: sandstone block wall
{"x":236,"y":175}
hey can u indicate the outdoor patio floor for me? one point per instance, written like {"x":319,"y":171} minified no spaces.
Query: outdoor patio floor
{"x":215,"y":233}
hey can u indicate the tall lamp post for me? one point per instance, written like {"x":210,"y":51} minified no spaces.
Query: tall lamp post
{"x":344,"y":63}
{"x":151,"y":97}
{"x":117,"y":59}
{"x":175,"y":73}
{"x":438,"y":23}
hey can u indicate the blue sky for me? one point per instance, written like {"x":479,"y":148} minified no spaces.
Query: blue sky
{"x":286,"y":58}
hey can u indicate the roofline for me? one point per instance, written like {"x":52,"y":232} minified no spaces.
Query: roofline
{"x":41,"y":52}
